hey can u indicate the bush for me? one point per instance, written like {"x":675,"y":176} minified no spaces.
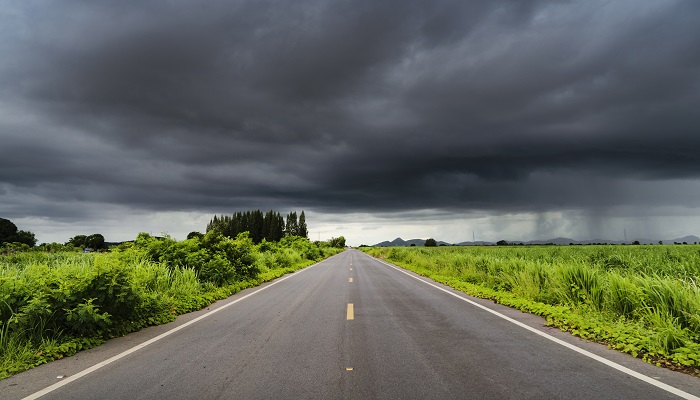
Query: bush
{"x":56,"y":303}
{"x":214,"y":257}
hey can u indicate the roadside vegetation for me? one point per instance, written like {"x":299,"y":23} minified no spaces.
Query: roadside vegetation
{"x":642,"y":300}
{"x":56,"y":300}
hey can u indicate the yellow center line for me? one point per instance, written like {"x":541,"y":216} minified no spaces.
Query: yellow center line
{"x":350,"y":280}
{"x":351,"y":312}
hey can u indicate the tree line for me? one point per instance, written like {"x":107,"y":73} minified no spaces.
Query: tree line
{"x":95,"y":241}
{"x":270,"y":226}
{"x":10,"y":234}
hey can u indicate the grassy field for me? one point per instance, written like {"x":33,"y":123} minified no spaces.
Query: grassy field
{"x":643,"y":300}
{"x":55,"y":304}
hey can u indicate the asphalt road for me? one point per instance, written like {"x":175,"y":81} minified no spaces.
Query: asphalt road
{"x":350,"y":327}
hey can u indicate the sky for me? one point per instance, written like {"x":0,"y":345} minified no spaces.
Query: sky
{"x":500,"y":119}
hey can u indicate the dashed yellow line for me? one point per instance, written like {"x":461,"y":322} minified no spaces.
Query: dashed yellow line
{"x":350,"y":280}
{"x":351,"y":312}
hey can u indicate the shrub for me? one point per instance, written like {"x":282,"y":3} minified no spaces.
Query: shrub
{"x":54,"y":304}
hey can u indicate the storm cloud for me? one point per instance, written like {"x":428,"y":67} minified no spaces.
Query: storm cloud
{"x":346,"y":107}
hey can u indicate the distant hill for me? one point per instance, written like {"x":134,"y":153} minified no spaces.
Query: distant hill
{"x":687,"y":239}
{"x":691,"y":239}
{"x":400,"y":242}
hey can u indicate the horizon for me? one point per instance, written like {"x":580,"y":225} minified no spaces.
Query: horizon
{"x":695,"y":238}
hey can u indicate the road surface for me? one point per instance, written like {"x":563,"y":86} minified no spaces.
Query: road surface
{"x":350,"y":327}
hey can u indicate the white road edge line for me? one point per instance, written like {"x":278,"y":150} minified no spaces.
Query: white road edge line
{"x":138,"y":347}
{"x":579,"y":350}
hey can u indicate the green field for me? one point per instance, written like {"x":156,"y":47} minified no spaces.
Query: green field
{"x":643,"y":300}
{"x":55,"y":304}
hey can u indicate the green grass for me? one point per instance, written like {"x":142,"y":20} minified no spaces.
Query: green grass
{"x":55,"y":304}
{"x":642,"y":300}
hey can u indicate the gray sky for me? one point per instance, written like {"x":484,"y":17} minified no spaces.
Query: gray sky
{"x":502,"y":119}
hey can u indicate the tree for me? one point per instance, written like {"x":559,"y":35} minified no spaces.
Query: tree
{"x":213,"y":224}
{"x":8,"y":230}
{"x":338,"y":242}
{"x":257,"y":222}
{"x":10,"y":234}
{"x":77,"y":241}
{"x":270,"y":226}
{"x":95,"y":241}
{"x":25,"y":237}
{"x":504,"y":243}
{"x":278,"y":227}
{"x":430,"y":243}
{"x":303,"y":231}
{"x":273,"y":226}
{"x":195,"y":234}
{"x":268,"y":220}
{"x":292,"y":227}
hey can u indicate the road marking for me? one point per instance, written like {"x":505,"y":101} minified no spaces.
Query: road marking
{"x":351,"y":312}
{"x":350,"y":269}
{"x":570,"y":346}
{"x":350,"y":280}
{"x":348,"y":369}
{"x":138,"y":347}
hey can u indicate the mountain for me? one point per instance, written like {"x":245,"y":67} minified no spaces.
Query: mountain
{"x":561,"y":241}
{"x":400,"y":242}
{"x":686,"y":239}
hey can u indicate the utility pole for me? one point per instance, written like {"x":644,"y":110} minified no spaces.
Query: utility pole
{"x":473,"y":237}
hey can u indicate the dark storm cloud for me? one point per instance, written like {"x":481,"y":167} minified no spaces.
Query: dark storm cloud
{"x":349,"y":105}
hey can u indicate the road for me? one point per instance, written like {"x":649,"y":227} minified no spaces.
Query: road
{"x":350,"y":327}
